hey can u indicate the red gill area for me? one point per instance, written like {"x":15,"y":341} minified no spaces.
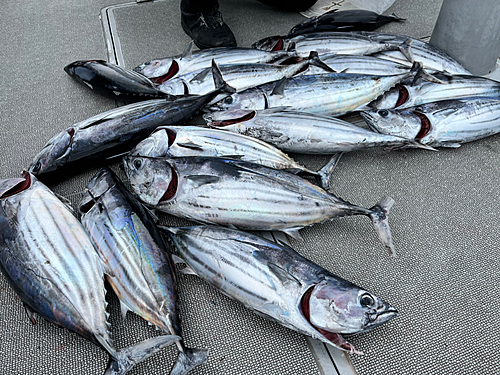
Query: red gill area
{"x":172,"y":134}
{"x":21,"y":186}
{"x":425,"y":126}
{"x":174,"y":69}
{"x":403,"y":95}
{"x":279,"y":45}
{"x":335,"y":338}
{"x":172,"y":187}
{"x":244,"y":118}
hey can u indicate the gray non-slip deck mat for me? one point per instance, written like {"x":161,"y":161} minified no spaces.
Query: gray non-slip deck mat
{"x":444,"y":221}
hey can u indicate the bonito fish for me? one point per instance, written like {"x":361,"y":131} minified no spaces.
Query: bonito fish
{"x":50,"y":262}
{"x":161,"y":70}
{"x":241,"y":194}
{"x":174,"y":141}
{"x":451,"y":87}
{"x":301,"y":132}
{"x":129,"y":244}
{"x":276,"y":282}
{"x":118,"y":130}
{"x":441,"y":124}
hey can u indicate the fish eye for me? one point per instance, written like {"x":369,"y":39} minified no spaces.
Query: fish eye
{"x":366,"y":300}
{"x":383,"y":113}
{"x":228,"y":100}
{"x":137,"y":163}
{"x":37,"y":167}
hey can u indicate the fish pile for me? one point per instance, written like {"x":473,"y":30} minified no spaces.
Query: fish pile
{"x":285,"y":94}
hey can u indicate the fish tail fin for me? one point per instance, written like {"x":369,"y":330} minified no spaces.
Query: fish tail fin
{"x":418,"y":72}
{"x":128,"y":357}
{"x":325,"y":173}
{"x":379,"y":216}
{"x":189,"y":359}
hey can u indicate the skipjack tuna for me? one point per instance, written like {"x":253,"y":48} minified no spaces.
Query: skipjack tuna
{"x":346,"y":20}
{"x":451,"y":87}
{"x":241,"y":194}
{"x":118,"y":130}
{"x":161,"y":70}
{"x":441,"y":124}
{"x":50,"y":262}
{"x":173,"y":141}
{"x":276,"y":282}
{"x":302,"y":132}
{"x":129,"y":244}
{"x":114,"y":81}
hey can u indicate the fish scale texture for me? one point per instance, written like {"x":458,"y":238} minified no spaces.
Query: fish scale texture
{"x":444,"y":222}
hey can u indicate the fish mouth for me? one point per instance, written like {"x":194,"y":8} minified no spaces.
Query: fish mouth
{"x":379,"y":318}
{"x":336,"y":339}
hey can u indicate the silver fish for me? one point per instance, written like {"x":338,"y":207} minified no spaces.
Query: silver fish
{"x":279,"y":284}
{"x":52,"y":265}
{"x":331,"y":94}
{"x":118,"y":130}
{"x":341,"y":43}
{"x":241,"y":194}
{"x":451,"y":87}
{"x":129,"y":243}
{"x":301,"y":132}
{"x":441,"y":124}
{"x":161,"y":70}
{"x":174,"y":141}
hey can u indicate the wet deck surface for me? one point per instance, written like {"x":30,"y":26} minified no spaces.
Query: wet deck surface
{"x":444,"y":222}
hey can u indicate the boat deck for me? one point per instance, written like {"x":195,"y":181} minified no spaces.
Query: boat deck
{"x":444,"y":222}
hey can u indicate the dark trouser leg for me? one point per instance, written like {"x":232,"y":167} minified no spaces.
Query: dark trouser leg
{"x":290,"y":5}
{"x":197,"y":6}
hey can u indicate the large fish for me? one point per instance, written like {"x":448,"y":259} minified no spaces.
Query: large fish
{"x":114,"y":81}
{"x":441,"y":124}
{"x":302,"y":132}
{"x":161,"y":70}
{"x":143,"y":275}
{"x":345,"y":20}
{"x":174,"y":141}
{"x":50,"y":262}
{"x":276,"y":282}
{"x":325,"y":43}
{"x":331,"y":94}
{"x":451,"y":87}
{"x":118,"y":130}
{"x":243,"y":195}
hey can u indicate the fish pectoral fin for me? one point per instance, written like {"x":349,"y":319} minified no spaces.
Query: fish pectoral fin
{"x":283,"y":275}
{"x":190,"y":145}
{"x":30,"y":313}
{"x":201,"y":76}
{"x":294,"y":233}
{"x":66,"y":202}
{"x":124,"y":309}
{"x":188,"y":271}
{"x":200,"y":180}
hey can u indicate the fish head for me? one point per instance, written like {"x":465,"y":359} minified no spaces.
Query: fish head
{"x":153,"y":179}
{"x":388,"y":100}
{"x":272,"y":43}
{"x":157,"y":144}
{"x":338,"y":306}
{"x":159,"y":71}
{"x":249,"y":99}
{"x":224,"y":119}
{"x":174,"y":86}
{"x":54,"y":154}
{"x":401,"y":123}
{"x":84,"y":70}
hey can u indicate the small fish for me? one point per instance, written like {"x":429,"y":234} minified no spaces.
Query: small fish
{"x":301,"y":132}
{"x":174,"y":141}
{"x":143,"y":275}
{"x":118,"y":130}
{"x":51,"y":264}
{"x":345,"y":20}
{"x":242,"y":195}
{"x":114,"y":81}
{"x":277,"y":283}
{"x":450,"y":87}
{"x":446,"y":123}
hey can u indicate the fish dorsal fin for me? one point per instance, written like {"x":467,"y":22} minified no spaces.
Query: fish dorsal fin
{"x":124,"y":309}
{"x":65,"y":201}
{"x":190,"y":145}
{"x":283,"y":275}
{"x":188,"y":51}
{"x":405,"y":49}
{"x":200,"y":180}
{"x":279,"y":89}
{"x":294,"y":233}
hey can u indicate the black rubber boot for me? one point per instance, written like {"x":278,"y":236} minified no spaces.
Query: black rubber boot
{"x":207,"y":29}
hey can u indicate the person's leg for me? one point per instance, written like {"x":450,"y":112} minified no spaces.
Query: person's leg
{"x":202,"y":21}
{"x":290,"y":5}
